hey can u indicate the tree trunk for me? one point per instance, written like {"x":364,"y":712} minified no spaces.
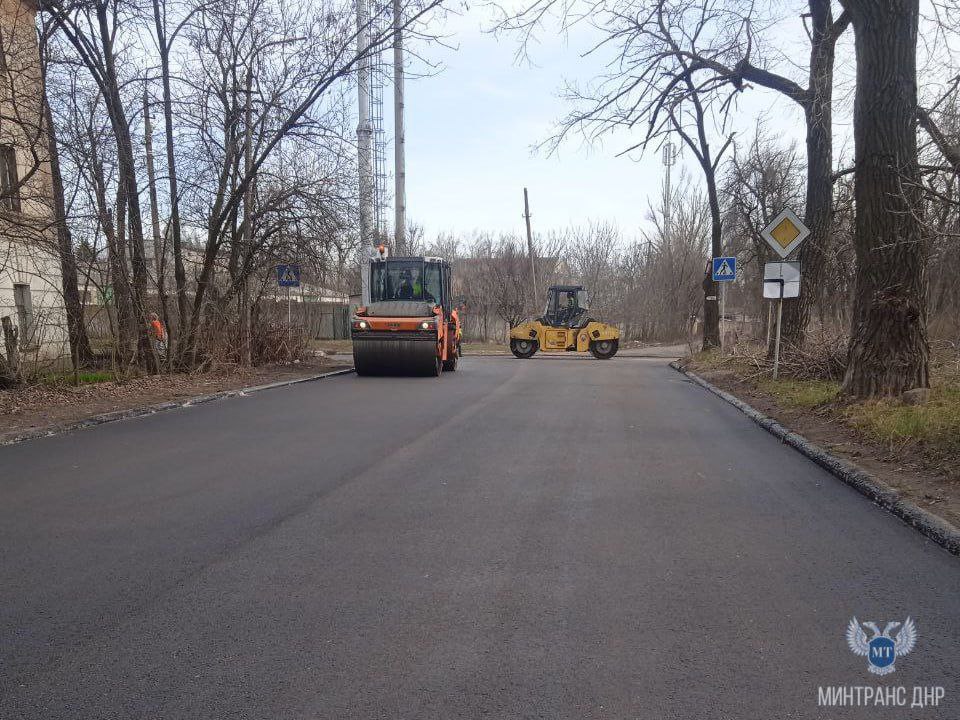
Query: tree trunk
{"x":116,"y":256}
{"x":80,"y":350}
{"x":818,"y":209}
{"x":711,"y":289}
{"x":190,"y":346}
{"x":127,"y":177}
{"x":179,"y":271}
{"x":711,"y":310}
{"x":889,"y":352}
{"x":10,"y":366}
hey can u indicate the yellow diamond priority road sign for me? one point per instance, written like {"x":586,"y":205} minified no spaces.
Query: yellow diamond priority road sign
{"x":785,"y":233}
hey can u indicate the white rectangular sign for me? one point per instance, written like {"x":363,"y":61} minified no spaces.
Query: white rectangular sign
{"x":781,"y":276}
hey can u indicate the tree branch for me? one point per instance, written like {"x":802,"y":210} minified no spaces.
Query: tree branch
{"x":950,"y":151}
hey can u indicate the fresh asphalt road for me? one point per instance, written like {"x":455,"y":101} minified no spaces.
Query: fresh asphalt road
{"x":551,"y":538}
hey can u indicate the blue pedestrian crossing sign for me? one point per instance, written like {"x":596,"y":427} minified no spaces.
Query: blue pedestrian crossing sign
{"x":288,"y":275}
{"x":724,"y":269}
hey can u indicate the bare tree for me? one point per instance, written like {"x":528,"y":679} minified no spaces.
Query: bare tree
{"x":653,"y":84}
{"x":258,"y":156}
{"x":738,"y":56}
{"x":300,"y":57}
{"x":92,"y":29}
{"x":80,"y":350}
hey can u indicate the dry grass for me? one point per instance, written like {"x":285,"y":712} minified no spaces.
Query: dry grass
{"x":933,"y":426}
{"x":83,"y":378}
{"x":801,"y":393}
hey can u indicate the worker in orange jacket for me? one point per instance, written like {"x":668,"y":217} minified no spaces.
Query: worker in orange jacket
{"x":159,"y":334}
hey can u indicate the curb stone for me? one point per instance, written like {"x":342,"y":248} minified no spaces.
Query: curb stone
{"x":12,"y":438}
{"x":937,"y":529}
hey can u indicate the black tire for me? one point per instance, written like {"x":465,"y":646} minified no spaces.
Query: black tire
{"x":360,"y":367}
{"x":451,"y":364}
{"x":604,"y":349}
{"x":523,"y":349}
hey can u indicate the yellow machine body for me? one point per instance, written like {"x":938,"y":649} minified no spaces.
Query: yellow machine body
{"x":562,"y":339}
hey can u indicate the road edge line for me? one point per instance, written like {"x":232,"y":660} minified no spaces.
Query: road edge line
{"x":935,"y":528}
{"x":118,"y":415}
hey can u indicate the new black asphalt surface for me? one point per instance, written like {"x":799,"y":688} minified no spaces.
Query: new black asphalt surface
{"x":551,"y":538}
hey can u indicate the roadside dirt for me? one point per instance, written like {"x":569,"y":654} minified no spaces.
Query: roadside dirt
{"x":40,"y":406}
{"x":904,"y":469}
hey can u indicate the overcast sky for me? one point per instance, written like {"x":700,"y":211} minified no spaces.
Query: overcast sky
{"x":472,"y":126}
{"x":470,"y":130}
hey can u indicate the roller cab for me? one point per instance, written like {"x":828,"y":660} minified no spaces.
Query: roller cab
{"x":408,"y":325}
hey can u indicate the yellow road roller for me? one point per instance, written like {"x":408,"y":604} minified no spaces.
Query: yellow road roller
{"x":565,"y":326}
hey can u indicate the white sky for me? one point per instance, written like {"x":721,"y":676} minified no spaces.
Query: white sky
{"x":471,"y":128}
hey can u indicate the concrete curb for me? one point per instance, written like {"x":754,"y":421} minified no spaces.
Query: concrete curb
{"x":935,"y":528}
{"x":17,"y":437}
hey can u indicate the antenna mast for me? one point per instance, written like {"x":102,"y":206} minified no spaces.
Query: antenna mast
{"x":378,"y":73}
{"x":669,"y":158}
{"x":399,"y":149}
{"x":364,"y":130}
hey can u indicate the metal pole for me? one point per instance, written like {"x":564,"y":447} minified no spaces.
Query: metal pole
{"x":364,"y":131}
{"x":776,"y":347}
{"x":668,"y":159}
{"x":399,"y":141}
{"x":769,"y":325}
{"x":533,"y":266}
{"x":154,"y":250}
{"x":723,"y":312}
{"x":289,"y":323}
{"x":246,"y":349}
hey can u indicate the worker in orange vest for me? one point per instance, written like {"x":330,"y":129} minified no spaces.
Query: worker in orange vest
{"x":159,"y":334}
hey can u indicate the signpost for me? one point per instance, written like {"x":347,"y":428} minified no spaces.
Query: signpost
{"x":288,"y":276}
{"x":781,"y":280}
{"x":724,"y":270}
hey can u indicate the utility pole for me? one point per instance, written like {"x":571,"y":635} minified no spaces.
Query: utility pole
{"x":153,"y":250}
{"x":399,"y":140}
{"x":668,"y":159}
{"x":533,"y":265}
{"x":364,"y":131}
{"x":246,"y":337}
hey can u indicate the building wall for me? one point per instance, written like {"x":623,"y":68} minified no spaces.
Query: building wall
{"x":28,"y":250}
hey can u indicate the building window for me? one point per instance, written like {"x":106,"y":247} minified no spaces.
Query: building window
{"x":24,"y":302}
{"x":9,"y":180}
